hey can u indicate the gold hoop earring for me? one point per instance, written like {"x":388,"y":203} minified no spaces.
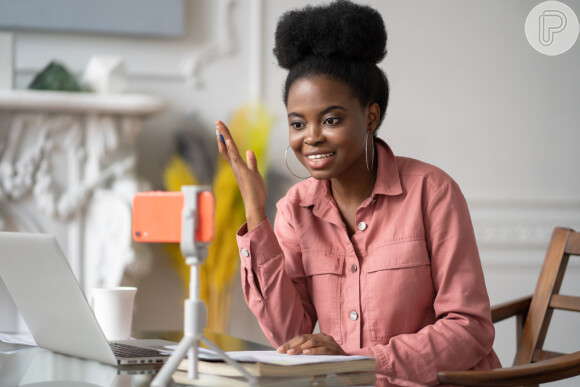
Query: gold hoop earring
{"x":367,"y":152}
{"x":287,"y":166}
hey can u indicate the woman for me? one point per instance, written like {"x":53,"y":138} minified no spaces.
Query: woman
{"x":378,"y":249}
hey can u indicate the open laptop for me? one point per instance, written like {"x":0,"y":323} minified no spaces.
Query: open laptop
{"x":47,"y":294}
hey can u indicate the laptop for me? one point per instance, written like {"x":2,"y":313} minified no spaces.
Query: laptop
{"x":49,"y":298}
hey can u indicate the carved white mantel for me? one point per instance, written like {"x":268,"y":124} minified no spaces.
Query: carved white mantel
{"x":67,"y":167}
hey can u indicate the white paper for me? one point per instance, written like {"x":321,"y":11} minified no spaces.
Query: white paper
{"x":273,"y":357}
{"x":21,"y":338}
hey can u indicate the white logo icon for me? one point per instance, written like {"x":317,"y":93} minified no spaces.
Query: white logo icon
{"x":551,"y":23}
{"x":552,"y":28}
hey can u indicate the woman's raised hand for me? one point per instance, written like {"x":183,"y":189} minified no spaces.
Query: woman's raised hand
{"x":247,"y":175}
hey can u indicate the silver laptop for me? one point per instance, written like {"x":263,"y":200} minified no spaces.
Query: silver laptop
{"x":47,"y":294}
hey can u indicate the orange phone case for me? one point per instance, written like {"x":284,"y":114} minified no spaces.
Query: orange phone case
{"x":205,"y":216}
{"x":157,"y":217}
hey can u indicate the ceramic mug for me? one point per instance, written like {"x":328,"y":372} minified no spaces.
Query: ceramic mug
{"x":113,"y":308}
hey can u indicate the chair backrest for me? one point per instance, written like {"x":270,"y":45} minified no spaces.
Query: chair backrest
{"x":564,"y":243}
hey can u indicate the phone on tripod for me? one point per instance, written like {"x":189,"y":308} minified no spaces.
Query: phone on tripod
{"x":157,"y":216}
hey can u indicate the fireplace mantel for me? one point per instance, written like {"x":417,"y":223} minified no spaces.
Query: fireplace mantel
{"x":67,"y":167}
{"x":83,"y":103}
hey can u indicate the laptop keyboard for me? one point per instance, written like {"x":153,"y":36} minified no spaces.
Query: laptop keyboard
{"x":125,"y":350}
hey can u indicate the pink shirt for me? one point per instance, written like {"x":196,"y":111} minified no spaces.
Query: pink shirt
{"x":407,"y":288}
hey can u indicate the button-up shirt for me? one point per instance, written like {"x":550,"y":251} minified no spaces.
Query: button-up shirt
{"x":407,"y":288}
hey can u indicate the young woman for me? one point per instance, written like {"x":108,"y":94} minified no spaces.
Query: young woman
{"x":378,"y":249}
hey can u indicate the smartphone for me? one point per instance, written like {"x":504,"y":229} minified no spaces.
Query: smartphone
{"x":157,"y":216}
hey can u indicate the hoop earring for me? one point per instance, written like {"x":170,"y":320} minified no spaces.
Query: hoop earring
{"x":287,"y":166}
{"x":367,"y":153}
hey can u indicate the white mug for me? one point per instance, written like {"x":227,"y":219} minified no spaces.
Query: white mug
{"x":113,"y":308}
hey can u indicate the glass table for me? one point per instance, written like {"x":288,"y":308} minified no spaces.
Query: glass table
{"x":33,"y":366}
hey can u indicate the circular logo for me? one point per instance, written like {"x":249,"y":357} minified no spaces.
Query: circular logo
{"x":552,"y":28}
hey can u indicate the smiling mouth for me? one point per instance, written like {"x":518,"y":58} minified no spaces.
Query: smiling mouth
{"x":320,"y":157}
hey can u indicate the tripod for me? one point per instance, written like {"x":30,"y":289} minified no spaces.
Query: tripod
{"x":196,"y":233}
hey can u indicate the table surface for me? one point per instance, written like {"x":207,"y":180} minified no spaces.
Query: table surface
{"x":20,"y":365}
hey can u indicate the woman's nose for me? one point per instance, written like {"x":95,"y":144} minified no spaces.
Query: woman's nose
{"x":314,"y":135}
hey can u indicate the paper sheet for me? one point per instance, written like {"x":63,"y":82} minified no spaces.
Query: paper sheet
{"x":19,"y":338}
{"x":273,"y":357}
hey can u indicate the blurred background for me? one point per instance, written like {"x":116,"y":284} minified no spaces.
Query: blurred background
{"x":468,"y":94}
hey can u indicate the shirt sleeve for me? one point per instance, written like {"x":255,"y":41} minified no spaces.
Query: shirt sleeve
{"x":462,"y":336}
{"x":273,"y":280}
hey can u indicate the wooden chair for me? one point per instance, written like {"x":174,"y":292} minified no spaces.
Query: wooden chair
{"x":532,"y":364}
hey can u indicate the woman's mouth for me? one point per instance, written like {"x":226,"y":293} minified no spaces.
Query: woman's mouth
{"x":320,"y":160}
{"x":319,"y":157}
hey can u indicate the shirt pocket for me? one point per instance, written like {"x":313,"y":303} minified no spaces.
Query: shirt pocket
{"x":323,"y":272}
{"x":399,"y":290}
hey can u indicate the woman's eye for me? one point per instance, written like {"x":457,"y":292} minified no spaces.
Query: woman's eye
{"x":297,"y":125}
{"x":331,"y":121}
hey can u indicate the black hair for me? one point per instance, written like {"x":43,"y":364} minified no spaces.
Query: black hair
{"x":340,"y":40}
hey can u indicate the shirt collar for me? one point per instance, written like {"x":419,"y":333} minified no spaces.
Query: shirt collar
{"x":388,"y":180}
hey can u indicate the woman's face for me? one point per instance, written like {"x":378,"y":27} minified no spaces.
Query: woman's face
{"x":329,"y":127}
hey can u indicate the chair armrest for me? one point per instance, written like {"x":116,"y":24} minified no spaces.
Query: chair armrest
{"x":516,"y":307}
{"x":559,"y":368}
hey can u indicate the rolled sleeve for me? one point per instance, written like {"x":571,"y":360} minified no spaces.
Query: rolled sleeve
{"x":258,"y":246}
{"x":276,"y":300}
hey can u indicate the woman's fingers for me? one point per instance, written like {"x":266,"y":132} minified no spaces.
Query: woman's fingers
{"x":247,"y":176}
{"x":297,"y":344}
{"x":229,"y":150}
{"x":251,"y":161}
{"x":221,"y":142}
{"x":293,"y":343}
{"x":226,"y":144}
{"x":223,"y":150}
{"x":306,"y":346}
{"x":316,"y":344}
{"x":222,"y":129}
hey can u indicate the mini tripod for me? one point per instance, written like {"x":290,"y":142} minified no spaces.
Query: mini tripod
{"x":196,"y":233}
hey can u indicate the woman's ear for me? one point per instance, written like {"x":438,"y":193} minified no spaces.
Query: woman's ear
{"x":373,"y":117}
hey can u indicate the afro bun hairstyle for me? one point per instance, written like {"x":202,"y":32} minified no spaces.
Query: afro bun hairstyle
{"x":342,"y":41}
{"x":341,"y":30}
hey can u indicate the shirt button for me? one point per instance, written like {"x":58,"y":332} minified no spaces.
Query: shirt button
{"x":362,"y":226}
{"x":245,"y":253}
{"x":353,"y":315}
{"x":353,"y":268}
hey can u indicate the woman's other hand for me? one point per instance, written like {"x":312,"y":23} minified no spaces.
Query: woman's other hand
{"x":249,"y":180}
{"x":315,"y":344}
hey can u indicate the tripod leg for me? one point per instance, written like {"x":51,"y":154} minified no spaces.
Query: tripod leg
{"x":164,"y":376}
{"x":251,"y":378}
{"x":192,"y":356}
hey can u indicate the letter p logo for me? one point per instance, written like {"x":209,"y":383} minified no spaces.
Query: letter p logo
{"x":551,"y":23}
{"x":552,"y":28}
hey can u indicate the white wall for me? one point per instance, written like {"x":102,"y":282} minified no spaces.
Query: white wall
{"x":468,"y":94}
